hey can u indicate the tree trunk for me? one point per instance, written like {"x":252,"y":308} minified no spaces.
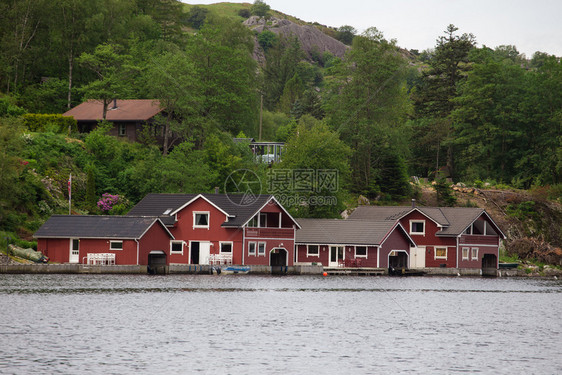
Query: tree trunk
{"x":70,"y":66}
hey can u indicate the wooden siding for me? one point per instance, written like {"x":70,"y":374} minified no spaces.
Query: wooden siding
{"x":396,"y":240}
{"x":478,"y":239}
{"x":270,"y":232}
{"x":155,"y":239}
{"x":430,"y":240}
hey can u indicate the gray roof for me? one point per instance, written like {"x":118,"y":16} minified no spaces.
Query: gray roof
{"x":82,"y":226}
{"x":454,"y":220}
{"x":239,"y":208}
{"x":343,"y":232}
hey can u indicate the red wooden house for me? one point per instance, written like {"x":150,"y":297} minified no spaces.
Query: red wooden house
{"x":353,"y":243}
{"x":218,"y":228}
{"x":122,"y":240}
{"x":458,"y":237}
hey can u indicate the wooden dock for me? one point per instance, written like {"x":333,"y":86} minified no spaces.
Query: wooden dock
{"x":355,"y":271}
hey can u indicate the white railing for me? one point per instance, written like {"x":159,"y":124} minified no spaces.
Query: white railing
{"x":218,"y":259}
{"x":98,"y":259}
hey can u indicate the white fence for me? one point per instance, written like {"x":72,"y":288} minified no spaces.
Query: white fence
{"x":98,"y":259}
{"x":218,"y":259}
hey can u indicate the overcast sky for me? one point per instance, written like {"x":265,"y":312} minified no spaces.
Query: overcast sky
{"x":530,"y":25}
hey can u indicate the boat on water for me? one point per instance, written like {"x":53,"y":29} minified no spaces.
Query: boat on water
{"x":235,"y":270}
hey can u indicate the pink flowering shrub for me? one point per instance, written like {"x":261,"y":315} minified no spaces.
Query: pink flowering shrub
{"x":107,"y":202}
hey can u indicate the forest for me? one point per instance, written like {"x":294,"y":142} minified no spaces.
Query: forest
{"x":378,"y":115}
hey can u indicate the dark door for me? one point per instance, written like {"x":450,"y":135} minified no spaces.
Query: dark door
{"x":195,"y":253}
{"x":398,"y":261}
{"x":278,"y":257}
{"x":157,"y":263}
{"x":489,"y":264}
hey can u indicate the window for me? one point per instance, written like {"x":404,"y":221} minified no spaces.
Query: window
{"x":226,"y":247}
{"x":312,"y":250}
{"x":361,"y":251}
{"x":201,"y":220}
{"x":176,"y":247}
{"x":261,"y":223}
{"x":440,"y":253}
{"x":122,"y":130}
{"x":115,"y":245}
{"x":474,"y":253}
{"x":75,"y":244}
{"x":465,"y":253}
{"x":261,"y":248}
{"x":417,"y":227}
{"x":253,"y":223}
{"x":251,"y":248}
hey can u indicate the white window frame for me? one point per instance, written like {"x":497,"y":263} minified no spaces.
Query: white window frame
{"x":250,"y":252}
{"x":309,"y":254}
{"x":253,"y":222}
{"x":195,"y":213}
{"x":226,"y":243}
{"x":264,"y":248}
{"x":122,"y":130}
{"x":440,"y":247}
{"x":417,"y":222}
{"x":362,"y":256}
{"x":115,"y":242}
{"x":467,"y":257}
{"x":262,"y":220}
{"x":474,"y":253}
{"x":172,"y":243}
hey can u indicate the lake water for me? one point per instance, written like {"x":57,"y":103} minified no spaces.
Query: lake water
{"x":229,"y":324}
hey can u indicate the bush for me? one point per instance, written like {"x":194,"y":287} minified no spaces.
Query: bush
{"x":54,"y":123}
{"x":244,"y":13}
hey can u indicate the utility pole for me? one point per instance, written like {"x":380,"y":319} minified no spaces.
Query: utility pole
{"x":261,"y":116}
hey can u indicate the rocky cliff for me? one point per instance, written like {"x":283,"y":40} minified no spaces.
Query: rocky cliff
{"x":309,"y":36}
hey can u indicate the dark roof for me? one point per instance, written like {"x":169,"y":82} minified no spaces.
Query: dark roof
{"x":82,"y":226}
{"x":127,"y":110}
{"x":343,"y":232}
{"x":238,"y":207}
{"x":454,"y":220}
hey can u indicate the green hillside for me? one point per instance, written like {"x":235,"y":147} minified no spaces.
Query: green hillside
{"x":377,"y":115}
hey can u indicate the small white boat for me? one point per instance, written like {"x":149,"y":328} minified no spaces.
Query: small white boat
{"x":235,"y":269}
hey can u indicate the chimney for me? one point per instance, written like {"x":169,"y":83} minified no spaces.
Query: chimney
{"x":216,"y":189}
{"x":114,"y":104}
{"x":413,"y":203}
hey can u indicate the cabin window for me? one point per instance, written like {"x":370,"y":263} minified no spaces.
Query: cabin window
{"x":176,"y":247}
{"x":261,"y":248}
{"x":417,"y":227}
{"x":465,"y":251}
{"x":226,"y":247}
{"x":361,"y":251}
{"x":253,"y":223}
{"x":115,"y":245}
{"x":312,"y":250}
{"x":258,"y":222}
{"x":122,"y":130}
{"x":75,"y":244}
{"x":201,"y":220}
{"x":251,"y":248}
{"x":474,"y":253}
{"x":440,"y":253}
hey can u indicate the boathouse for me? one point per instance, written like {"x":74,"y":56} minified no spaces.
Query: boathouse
{"x":104,"y":240}
{"x":353,"y":243}
{"x":457,"y":237}
{"x":224,"y":229}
